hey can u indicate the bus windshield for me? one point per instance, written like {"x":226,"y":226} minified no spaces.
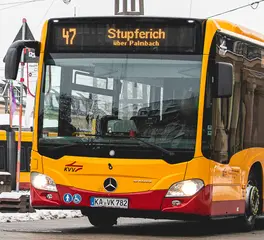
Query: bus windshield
{"x":154,"y":96}
{"x":128,"y":86}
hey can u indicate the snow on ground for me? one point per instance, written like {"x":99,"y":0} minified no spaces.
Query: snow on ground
{"x":12,"y":195}
{"x":38,"y":215}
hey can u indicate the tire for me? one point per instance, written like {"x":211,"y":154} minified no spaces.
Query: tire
{"x":247,"y":222}
{"x":102,"y":221}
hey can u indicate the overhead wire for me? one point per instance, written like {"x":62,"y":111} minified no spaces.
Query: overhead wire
{"x":20,"y":4}
{"x":47,"y":11}
{"x":253,"y":5}
{"x":13,"y":5}
{"x":17,"y":3}
{"x":50,"y":6}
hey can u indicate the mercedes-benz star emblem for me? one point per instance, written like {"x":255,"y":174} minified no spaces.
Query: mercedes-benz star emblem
{"x":110,"y":184}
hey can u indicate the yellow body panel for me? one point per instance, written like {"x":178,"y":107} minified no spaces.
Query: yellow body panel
{"x":133,"y":175}
{"x":24,"y":177}
{"x":36,"y":162}
{"x":25,"y":136}
{"x":2,"y":135}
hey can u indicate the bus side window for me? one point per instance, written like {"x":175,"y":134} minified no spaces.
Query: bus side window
{"x":253,"y":98}
{"x":227,"y":111}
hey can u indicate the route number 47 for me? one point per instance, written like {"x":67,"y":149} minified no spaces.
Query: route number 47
{"x":69,"y":35}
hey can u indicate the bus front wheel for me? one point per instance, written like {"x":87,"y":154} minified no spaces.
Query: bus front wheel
{"x":102,"y":221}
{"x":252,"y":203}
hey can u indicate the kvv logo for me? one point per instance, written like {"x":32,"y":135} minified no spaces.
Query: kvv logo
{"x":73,"y":167}
{"x":129,"y":7}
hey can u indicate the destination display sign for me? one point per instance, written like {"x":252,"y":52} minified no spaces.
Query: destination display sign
{"x":130,"y":35}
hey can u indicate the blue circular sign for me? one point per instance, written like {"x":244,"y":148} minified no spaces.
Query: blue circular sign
{"x":77,"y":198}
{"x":67,"y":198}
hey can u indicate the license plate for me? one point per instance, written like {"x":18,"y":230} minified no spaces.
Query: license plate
{"x":109,"y":202}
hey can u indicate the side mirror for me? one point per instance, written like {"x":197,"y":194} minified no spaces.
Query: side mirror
{"x":223,"y":80}
{"x":13,"y":56}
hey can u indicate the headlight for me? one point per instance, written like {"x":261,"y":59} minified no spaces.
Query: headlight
{"x":43,"y":182}
{"x":185,"y":188}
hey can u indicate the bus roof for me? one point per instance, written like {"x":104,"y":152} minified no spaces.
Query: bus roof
{"x":238,"y":29}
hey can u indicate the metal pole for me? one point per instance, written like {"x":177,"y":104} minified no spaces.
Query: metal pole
{"x":20,"y":107}
{"x":5,"y":95}
{"x":75,"y":14}
{"x":190,"y":13}
{"x":10,"y":103}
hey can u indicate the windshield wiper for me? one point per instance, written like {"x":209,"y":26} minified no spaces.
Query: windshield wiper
{"x":155,"y":146}
{"x":69,"y":145}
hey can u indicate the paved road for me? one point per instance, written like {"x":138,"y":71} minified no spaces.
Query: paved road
{"x":136,"y":229}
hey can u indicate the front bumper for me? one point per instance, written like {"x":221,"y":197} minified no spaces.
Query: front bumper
{"x":151,"y":204}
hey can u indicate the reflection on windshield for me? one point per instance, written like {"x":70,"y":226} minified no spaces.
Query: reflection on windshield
{"x":151,"y":98}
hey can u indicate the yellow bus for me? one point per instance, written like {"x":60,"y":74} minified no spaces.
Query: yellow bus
{"x":172,"y":123}
{"x":26,"y":146}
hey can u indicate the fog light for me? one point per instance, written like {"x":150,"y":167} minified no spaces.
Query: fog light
{"x":176,"y":203}
{"x":49,"y":196}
